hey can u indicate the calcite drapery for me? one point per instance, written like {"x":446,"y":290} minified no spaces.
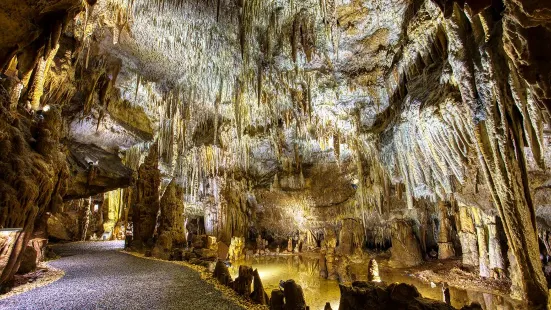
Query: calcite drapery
{"x":405,"y":251}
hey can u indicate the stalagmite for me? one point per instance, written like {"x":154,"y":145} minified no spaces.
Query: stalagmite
{"x":373,"y":271}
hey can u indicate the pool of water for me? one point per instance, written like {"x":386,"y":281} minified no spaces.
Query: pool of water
{"x":317,"y":291}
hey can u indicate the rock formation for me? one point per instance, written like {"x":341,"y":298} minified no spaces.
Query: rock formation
{"x":420,"y":126}
{"x":146,"y":203}
{"x":405,"y":250}
{"x":365,"y":295}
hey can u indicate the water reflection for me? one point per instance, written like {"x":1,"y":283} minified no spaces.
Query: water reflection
{"x":317,"y":291}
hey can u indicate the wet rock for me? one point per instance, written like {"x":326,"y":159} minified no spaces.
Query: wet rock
{"x":294,"y":297}
{"x":259,"y":295}
{"x":277,"y":300}
{"x":369,"y":295}
{"x":222,"y":274}
{"x":242,"y":284}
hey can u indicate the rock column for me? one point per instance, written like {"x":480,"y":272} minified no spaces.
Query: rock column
{"x":144,"y":211}
{"x":445,"y":246}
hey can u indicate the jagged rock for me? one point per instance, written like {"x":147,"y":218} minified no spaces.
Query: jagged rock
{"x":467,"y":237}
{"x":277,"y":300}
{"x":94,"y":171}
{"x":294,"y":297}
{"x":368,"y":295}
{"x":28,"y":260}
{"x":236,"y":250}
{"x":327,"y":307}
{"x":405,"y":251}
{"x":242,"y":284}
{"x":222,"y":273}
{"x":259,"y":295}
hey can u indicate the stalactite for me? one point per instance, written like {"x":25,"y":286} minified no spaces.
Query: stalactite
{"x":43,"y":66}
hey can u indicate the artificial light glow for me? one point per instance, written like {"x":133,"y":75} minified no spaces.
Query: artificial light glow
{"x":96,"y":208}
{"x":46,"y":108}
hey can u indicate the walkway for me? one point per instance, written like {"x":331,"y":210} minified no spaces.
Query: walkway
{"x":98,"y":276}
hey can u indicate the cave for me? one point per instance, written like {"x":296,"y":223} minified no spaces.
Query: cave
{"x":255,"y":154}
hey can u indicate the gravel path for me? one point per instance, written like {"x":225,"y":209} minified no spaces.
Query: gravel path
{"x":97,"y":276}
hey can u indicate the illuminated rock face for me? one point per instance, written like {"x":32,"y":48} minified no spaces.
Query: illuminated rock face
{"x":373,"y":271}
{"x":292,"y":118}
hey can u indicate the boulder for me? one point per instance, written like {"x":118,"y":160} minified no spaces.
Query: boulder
{"x":163,"y":247}
{"x":222,"y":250}
{"x":206,"y":254}
{"x":28,"y":261}
{"x":211,"y":243}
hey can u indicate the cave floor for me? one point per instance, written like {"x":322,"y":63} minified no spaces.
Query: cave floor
{"x":99,"y":276}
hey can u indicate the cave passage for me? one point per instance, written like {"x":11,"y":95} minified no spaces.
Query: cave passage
{"x":276,"y":154}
